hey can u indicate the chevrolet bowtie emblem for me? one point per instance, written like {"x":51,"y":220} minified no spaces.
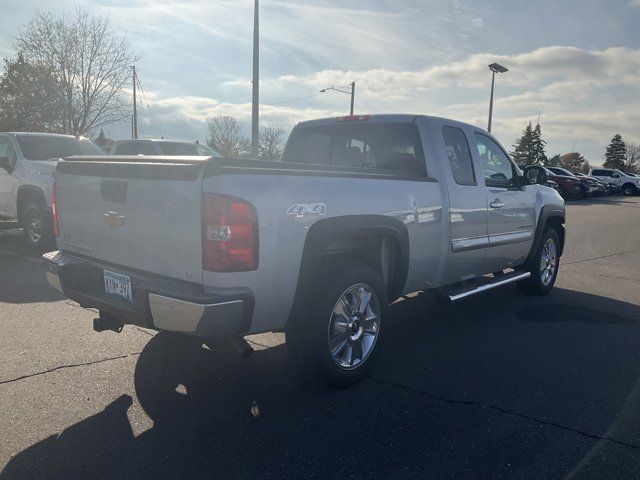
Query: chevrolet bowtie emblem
{"x":114,"y":219}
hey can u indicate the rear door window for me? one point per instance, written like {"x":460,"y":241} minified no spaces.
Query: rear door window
{"x":459,"y":155}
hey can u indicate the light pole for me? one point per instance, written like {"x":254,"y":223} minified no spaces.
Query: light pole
{"x":495,"y":68}
{"x":255,"y":99}
{"x":352,"y":93}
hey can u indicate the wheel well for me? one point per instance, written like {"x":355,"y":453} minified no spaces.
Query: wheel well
{"x":628,"y":183}
{"x":28,"y":196}
{"x":380,"y":252}
{"x":557,"y":223}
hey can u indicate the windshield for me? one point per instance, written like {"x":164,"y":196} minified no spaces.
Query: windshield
{"x":182,"y":148}
{"x":40,"y":147}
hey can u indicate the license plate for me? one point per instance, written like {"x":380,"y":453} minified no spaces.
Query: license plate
{"x":117,"y":284}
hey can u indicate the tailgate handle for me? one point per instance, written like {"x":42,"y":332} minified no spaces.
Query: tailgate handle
{"x":113,"y":191}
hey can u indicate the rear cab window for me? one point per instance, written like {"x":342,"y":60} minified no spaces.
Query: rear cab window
{"x":386,"y":147}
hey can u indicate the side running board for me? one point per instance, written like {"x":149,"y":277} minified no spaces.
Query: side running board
{"x":468,"y":290}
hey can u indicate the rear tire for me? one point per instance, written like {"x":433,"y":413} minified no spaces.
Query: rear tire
{"x":337,"y":338}
{"x":544,"y":266}
{"x":37,"y":227}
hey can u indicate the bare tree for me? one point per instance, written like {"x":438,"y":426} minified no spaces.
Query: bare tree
{"x":226,"y":137}
{"x":91,"y":63}
{"x":632,"y":158}
{"x":271,"y":143}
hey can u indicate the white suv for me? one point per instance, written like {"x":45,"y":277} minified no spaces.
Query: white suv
{"x":629,"y":183}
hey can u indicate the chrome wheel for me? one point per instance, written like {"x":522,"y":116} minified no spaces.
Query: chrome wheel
{"x":354,"y":326}
{"x":34,"y":229}
{"x":548,"y":262}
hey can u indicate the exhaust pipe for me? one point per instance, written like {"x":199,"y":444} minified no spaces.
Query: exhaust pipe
{"x":241,"y":346}
{"x":107,"y":322}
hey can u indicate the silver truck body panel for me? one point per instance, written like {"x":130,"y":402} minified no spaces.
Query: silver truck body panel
{"x":455,"y":232}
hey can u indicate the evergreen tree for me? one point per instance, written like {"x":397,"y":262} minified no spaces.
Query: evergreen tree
{"x":538,"y":145}
{"x":523,"y":149}
{"x":616,"y":153}
{"x":103,"y":141}
{"x":30,"y":97}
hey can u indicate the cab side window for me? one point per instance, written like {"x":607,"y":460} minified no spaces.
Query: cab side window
{"x":497,"y":167}
{"x":459,"y":155}
{"x":7,"y":150}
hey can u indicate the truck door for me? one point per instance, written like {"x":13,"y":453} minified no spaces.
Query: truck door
{"x":7,"y":207}
{"x":468,"y":235}
{"x":511,"y":209}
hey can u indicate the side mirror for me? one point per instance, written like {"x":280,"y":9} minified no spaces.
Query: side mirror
{"x":6,"y":164}
{"x":535,"y":175}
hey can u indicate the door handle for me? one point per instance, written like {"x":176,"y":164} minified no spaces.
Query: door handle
{"x":497,"y":204}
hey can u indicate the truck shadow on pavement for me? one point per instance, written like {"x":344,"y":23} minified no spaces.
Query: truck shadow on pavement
{"x":501,"y":385}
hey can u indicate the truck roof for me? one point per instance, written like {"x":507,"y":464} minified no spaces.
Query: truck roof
{"x":379,"y":118}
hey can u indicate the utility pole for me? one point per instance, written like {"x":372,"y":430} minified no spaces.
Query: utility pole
{"x":353,"y":95}
{"x":255,"y":100}
{"x":135,"y":113}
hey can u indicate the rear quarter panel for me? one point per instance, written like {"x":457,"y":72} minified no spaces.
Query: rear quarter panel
{"x":282,"y":236}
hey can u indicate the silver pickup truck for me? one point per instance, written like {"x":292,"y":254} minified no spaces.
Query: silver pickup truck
{"x":361,"y":210}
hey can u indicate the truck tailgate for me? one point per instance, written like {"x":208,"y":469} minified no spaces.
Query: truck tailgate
{"x":143,"y":214}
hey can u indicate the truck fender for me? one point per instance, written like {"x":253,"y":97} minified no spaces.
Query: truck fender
{"x":549,"y":214}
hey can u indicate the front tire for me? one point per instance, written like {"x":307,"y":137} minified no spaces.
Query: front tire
{"x":338,"y":338}
{"x":37,"y":228}
{"x":544,"y":266}
{"x":629,"y":189}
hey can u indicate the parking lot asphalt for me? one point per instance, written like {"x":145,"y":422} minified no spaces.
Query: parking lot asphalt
{"x":499,"y":386}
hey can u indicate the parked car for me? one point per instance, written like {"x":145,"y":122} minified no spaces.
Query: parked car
{"x":630,"y":185}
{"x":603,"y":188}
{"x":587,"y":186}
{"x":161,"y":147}
{"x":358,"y":212}
{"x":569,"y":186}
{"x":27,"y":165}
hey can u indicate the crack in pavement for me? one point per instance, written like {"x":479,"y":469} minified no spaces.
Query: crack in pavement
{"x":600,"y":258}
{"x":83,"y":364}
{"x":474,"y":403}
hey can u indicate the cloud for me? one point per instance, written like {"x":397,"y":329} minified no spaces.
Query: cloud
{"x":585,"y":96}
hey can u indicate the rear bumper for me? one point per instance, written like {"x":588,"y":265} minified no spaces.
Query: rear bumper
{"x":158,"y":302}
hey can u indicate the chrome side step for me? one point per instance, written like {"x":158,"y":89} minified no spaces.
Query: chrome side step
{"x":464,"y":292}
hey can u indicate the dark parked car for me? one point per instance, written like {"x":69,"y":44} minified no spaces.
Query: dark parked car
{"x":568,"y":185}
{"x":587,"y":185}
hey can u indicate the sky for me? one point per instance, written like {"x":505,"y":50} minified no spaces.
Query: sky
{"x":574,"y":64}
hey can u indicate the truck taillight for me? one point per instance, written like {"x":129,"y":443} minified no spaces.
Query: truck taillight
{"x":229,"y":234}
{"x":54,"y":210}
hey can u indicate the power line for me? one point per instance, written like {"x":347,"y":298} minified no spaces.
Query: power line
{"x":292,"y":100}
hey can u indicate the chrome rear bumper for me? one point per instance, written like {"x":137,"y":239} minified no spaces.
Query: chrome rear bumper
{"x":159,"y":303}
